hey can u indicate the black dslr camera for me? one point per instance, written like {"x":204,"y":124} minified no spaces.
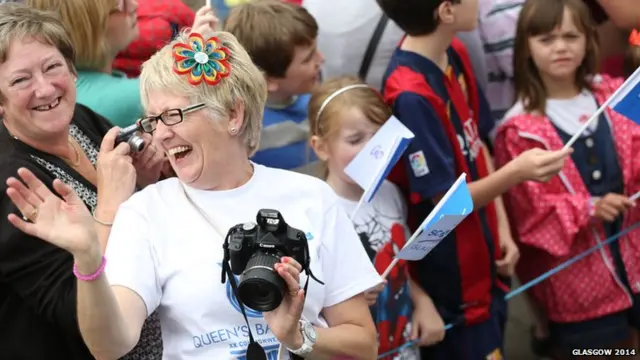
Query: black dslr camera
{"x":132,"y":136}
{"x":253,"y":250}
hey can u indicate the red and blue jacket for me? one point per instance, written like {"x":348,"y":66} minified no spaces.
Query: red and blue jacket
{"x":450,"y":117}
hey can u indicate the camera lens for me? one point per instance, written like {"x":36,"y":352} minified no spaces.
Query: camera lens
{"x":261,"y":288}
{"x":136,"y":143}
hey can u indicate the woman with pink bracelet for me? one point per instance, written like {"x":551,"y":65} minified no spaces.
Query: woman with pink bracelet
{"x":44,"y":130}
{"x":170,"y":242}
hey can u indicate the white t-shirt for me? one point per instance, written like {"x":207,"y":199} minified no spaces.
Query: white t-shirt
{"x":569,"y":115}
{"x":164,"y":250}
{"x":383,"y":231}
{"x":345,"y":29}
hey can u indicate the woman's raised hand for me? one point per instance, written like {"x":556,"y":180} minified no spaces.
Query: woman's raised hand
{"x":65,"y":223}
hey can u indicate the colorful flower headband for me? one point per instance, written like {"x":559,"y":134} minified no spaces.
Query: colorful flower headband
{"x":634,"y":38}
{"x":200,"y":60}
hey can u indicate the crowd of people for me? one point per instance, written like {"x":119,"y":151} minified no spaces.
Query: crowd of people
{"x":147,"y":149}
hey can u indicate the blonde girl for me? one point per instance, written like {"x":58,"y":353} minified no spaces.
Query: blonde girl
{"x":344,"y":114}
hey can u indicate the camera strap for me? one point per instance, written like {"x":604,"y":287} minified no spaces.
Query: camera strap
{"x":254,"y":350}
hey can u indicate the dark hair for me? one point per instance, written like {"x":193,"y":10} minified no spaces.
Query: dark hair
{"x":539,"y":17}
{"x":415,"y":17}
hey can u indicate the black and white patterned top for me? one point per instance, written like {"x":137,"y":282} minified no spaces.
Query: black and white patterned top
{"x":37,"y":288}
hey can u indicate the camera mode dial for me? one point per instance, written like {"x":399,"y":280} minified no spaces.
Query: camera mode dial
{"x":249,"y":226}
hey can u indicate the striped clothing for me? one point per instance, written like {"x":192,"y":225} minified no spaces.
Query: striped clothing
{"x":497,"y":26}
{"x":284,"y":139}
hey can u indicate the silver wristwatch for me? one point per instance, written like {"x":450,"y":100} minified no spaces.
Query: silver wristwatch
{"x":308,"y":338}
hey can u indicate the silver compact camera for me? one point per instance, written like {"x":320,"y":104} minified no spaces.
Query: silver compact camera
{"x":132,"y":135}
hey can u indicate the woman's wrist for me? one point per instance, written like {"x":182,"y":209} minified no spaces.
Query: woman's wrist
{"x":88,"y":261}
{"x":294,"y":341}
{"x":90,"y":276}
{"x":105,"y":213}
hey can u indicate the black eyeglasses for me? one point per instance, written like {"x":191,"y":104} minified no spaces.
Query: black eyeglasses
{"x":169,"y":118}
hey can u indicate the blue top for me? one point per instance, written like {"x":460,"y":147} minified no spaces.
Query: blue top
{"x":284,"y":142}
{"x":596,"y":158}
{"x":115,"y":97}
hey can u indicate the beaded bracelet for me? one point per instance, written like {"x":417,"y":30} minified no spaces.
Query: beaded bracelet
{"x":93,"y":276}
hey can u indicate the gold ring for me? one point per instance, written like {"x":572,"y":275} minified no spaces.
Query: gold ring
{"x":32,"y":215}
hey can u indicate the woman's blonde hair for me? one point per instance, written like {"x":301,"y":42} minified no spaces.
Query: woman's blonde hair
{"x":86,"y":22}
{"x":245,"y":83}
{"x":19,"y":22}
{"x":342,"y":94}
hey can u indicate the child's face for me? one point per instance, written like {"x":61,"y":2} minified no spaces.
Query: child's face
{"x":303,"y":72}
{"x":355,"y":130}
{"x":558,"y":54}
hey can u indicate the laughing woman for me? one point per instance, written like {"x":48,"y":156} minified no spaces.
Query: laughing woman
{"x":45,"y":131}
{"x":99,"y":30}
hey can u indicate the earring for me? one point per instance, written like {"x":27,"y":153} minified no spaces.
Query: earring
{"x":233,"y":130}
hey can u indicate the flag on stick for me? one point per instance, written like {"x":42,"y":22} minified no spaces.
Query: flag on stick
{"x":450,"y":211}
{"x":373,"y":163}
